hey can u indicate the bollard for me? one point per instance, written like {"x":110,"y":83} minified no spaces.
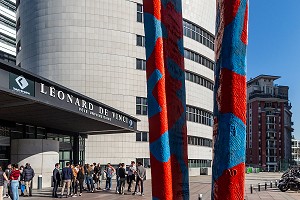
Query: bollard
{"x":276,"y":183}
{"x":40,"y":180}
{"x":259,"y":187}
{"x":265,"y":185}
{"x":200,"y":197}
{"x":271,"y":184}
{"x":251,"y":189}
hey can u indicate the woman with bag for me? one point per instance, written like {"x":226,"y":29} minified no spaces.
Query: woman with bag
{"x":80,"y":178}
{"x":14,"y":182}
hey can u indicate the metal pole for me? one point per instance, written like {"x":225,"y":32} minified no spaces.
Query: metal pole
{"x":265,"y":185}
{"x":271,"y":185}
{"x":251,"y":189}
{"x":259,"y":187}
{"x":230,"y":100}
{"x":276,"y":183}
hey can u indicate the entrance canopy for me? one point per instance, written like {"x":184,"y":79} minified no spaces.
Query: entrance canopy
{"x":30,"y":99}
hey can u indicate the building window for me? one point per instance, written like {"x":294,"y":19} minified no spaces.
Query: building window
{"x":8,"y":4}
{"x":199,"y":141}
{"x":140,"y":64}
{"x":7,"y":57}
{"x":8,"y":40}
{"x":194,"y":163}
{"x":199,"y":34}
{"x":195,"y":78}
{"x":199,"y":115}
{"x":7,"y":22}
{"x":142,"y":137}
{"x":198,"y":58}
{"x":141,"y":106}
{"x":140,"y":40}
{"x":144,"y":161}
{"x":139,"y":16}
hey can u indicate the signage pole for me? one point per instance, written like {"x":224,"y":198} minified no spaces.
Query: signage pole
{"x":166,"y":99}
{"x":230,"y":100}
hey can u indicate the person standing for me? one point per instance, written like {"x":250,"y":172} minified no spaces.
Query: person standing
{"x":22,"y":183}
{"x":118,"y":178}
{"x":56,"y":180}
{"x":28,"y":176}
{"x":141,"y":175}
{"x":98,"y":176}
{"x":80,"y":178}
{"x":109,"y":174}
{"x":90,"y":175}
{"x":6,"y":185}
{"x":3,"y":178}
{"x":66,"y":177}
{"x":122,"y":177}
{"x":74,"y":180}
{"x":14,"y":182}
{"x":131,"y":175}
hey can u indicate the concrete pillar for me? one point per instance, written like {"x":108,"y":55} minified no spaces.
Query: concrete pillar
{"x":40,"y":153}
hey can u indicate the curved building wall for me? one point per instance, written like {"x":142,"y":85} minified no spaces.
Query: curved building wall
{"x":91,"y":47}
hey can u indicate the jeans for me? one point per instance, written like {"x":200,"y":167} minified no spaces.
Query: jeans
{"x":14,"y":184}
{"x":90,"y":183}
{"x":108,"y":183}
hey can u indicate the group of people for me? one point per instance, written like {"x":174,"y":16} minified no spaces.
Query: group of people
{"x":13,"y":178}
{"x":74,"y":177}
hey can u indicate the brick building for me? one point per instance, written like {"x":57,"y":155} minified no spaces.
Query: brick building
{"x":269,"y":125}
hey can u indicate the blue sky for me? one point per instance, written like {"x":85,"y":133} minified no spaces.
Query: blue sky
{"x":274,"y":46}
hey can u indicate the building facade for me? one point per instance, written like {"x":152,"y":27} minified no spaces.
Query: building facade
{"x":269,"y":124}
{"x":8,"y":30}
{"x":296,"y":151}
{"x":96,"y":47}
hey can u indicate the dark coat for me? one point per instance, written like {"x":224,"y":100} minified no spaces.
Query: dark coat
{"x":56,"y":175}
{"x":28,"y":173}
{"x":66,"y":173}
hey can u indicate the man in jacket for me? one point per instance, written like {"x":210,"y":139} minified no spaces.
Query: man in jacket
{"x":66,"y":177}
{"x":28,"y":174}
{"x":131,"y":175}
{"x":140,"y":177}
{"x":56,"y":180}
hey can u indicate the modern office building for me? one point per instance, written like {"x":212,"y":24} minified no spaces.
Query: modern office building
{"x":96,"y":47}
{"x":269,"y":124}
{"x":295,"y":152}
{"x":8,"y":30}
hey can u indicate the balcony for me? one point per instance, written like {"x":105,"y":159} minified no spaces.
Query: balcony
{"x":260,"y":94}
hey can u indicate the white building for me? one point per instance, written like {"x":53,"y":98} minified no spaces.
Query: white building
{"x":296,"y":151}
{"x":96,"y":47}
{"x":8,"y":30}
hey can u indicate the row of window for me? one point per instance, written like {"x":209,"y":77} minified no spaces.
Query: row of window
{"x":199,"y":141}
{"x":193,"y":114}
{"x":193,"y":163}
{"x":189,"y":54}
{"x":198,"y":58}
{"x":7,"y":57}
{"x":197,"y":33}
{"x":7,"y":40}
{"x":8,"y":4}
{"x":7,"y":22}
{"x":195,"y":78}
{"x":190,"y":76}
{"x":190,"y":30}
{"x":199,"y":115}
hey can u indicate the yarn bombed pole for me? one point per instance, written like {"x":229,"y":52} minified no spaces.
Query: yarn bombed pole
{"x":230,"y":100}
{"x":166,"y":99}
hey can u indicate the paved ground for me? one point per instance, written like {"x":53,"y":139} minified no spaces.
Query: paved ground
{"x":200,"y":184}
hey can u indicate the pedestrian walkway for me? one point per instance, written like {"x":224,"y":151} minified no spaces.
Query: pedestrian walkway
{"x":198,"y":185}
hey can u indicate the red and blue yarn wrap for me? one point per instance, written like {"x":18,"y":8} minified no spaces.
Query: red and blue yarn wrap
{"x":230,"y":100}
{"x":166,"y":99}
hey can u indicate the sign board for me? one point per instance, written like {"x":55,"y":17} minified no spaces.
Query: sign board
{"x":21,"y":84}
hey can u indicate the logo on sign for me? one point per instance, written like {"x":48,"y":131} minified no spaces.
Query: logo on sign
{"x":22,"y":82}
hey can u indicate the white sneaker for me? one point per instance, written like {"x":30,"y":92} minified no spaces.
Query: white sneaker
{"x":80,"y":194}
